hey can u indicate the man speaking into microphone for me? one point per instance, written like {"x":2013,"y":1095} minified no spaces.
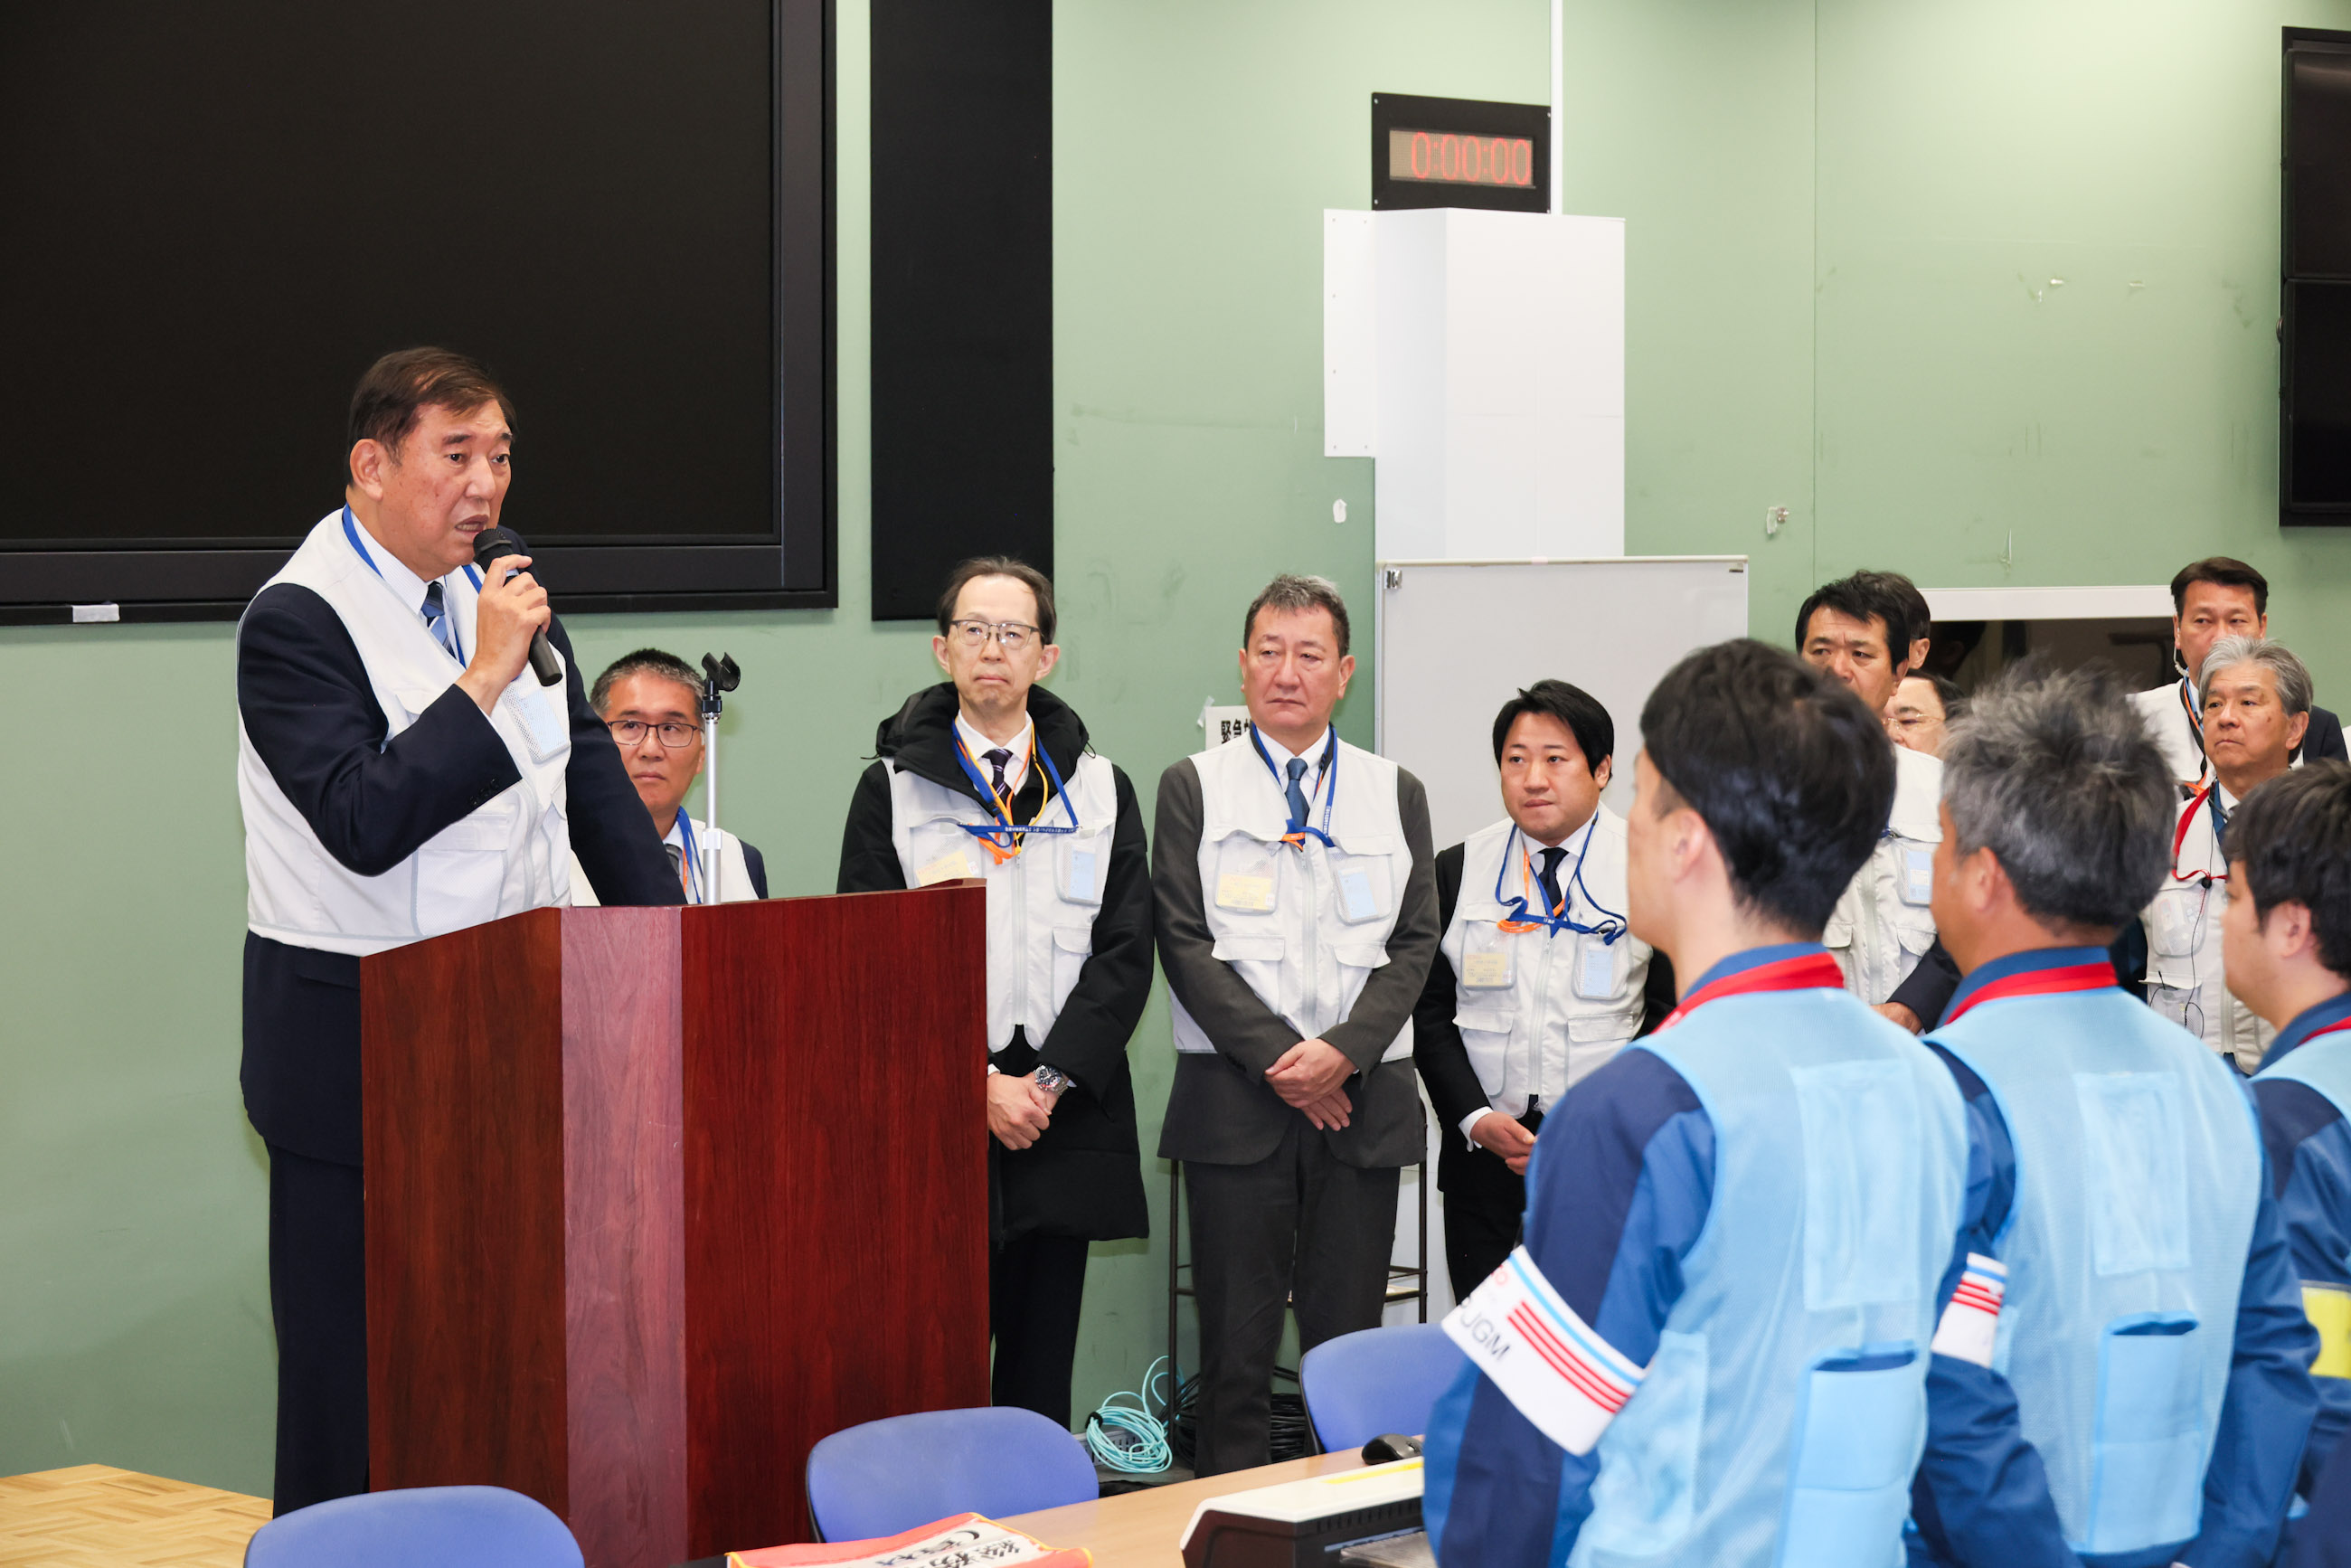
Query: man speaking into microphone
{"x":403,"y":772}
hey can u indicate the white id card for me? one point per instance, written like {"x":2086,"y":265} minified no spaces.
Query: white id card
{"x":1595,"y":968}
{"x":1245,"y":876}
{"x":952,"y":866}
{"x":1917,"y":874}
{"x":1080,"y":861}
{"x":1486,"y":954}
{"x":1357,"y":903}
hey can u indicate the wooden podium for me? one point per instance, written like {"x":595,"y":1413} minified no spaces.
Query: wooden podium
{"x":656,"y":1198}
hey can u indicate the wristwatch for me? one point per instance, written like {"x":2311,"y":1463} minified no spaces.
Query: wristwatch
{"x":1052,"y":1079}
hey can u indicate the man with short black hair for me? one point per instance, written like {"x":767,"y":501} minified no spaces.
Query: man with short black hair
{"x":1917,"y":616}
{"x":1297,"y":914}
{"x":1858,"y":629}
{"x":2254,"y":695}
{"x":2211,"y":599}
{"x":387,"y":733}
{"x":2287,"y":929}
{"x":1536,"y":982}
{"x":2131,"y":1295}
{"x":651,"y":701}
{"x":1709,"y":1348}
{"x":989,"y":775}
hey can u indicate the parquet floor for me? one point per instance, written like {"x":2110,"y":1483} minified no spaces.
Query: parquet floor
{"x":95,"y":1516}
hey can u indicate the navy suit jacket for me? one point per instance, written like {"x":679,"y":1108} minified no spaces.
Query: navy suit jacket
{"x":303,"y":693}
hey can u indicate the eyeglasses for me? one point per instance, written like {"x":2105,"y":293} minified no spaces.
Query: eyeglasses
{"x":631,"y":731}
{"x":1011,"y":636}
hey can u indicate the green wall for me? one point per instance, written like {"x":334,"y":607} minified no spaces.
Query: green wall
{"x":1844,"y":218}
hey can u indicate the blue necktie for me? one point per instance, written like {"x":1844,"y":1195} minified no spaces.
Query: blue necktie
{"x":436,"y":621}
{"x":1549,"y":879}
{"x":2219,"y":821}
{"x":1296,"y":767}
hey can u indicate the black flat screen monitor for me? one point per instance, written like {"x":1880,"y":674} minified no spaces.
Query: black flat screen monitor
{"x":220,"y":215}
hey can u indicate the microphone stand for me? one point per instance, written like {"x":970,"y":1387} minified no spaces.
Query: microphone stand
{"x":719,"y":675}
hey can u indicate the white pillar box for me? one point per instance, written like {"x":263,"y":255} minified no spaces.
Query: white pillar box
{"x":1492,"y":392}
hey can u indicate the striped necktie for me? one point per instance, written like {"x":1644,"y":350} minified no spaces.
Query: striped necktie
{"x":436,"y":621}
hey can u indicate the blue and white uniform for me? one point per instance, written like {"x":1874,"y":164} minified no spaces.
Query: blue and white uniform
{"x":1713,"y":1345}
{"x":2150,"y":1328}
{"x":2303,"y":1090}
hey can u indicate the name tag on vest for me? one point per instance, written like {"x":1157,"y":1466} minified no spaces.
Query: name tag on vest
{"x":1547,"y":1361}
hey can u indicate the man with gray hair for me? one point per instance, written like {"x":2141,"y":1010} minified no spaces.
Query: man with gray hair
{"x":2128,"y":1283}
{"x":1297,"y":914}
{"x":2254,"y":700}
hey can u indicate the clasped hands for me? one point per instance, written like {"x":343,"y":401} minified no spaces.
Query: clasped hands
{"x":1312,"y":1076}
{"x":1018,"y":1111}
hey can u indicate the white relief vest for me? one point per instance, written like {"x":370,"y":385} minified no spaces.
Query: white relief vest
{"x":1305,"y":926}
{"x":1041,"y":903}
{"x":512,"y":853}
{"x":2184,"y":982}
{"x":734,"y":870}
{"x":1539,"y":1011}
{"x":2174,"y":730}
{"x":1882,"y":925}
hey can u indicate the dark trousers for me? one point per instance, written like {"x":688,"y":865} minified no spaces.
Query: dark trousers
{"x":1485,"y":1204}
{"x":1301,"y":1226}
{"x":1035,"y":1287}
{"x":317,"y":1298}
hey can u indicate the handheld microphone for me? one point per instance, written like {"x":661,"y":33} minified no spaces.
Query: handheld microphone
{"x":488,"y":546}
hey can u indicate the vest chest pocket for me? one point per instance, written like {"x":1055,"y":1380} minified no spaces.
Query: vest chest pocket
{"x":1363,"y":878}
{"x":1248,"y":876}
{"x":1859,"y":1435}
{"x":1913,"y":872}
{"x":2175,"y":924}
{"x":1081,"y":861}
{"x":1488,"y":957}
{"x":942,"y":852}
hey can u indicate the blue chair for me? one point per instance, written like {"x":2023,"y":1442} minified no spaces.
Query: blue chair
{"x":890,"y":1476}
{"x":448,"y":1527}
{"x":1379,"y":1380}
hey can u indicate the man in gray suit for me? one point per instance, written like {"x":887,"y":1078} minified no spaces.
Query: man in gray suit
{"x":1297,"y":914}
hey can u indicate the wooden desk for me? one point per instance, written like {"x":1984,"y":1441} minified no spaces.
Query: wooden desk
{"x":95,"y":1516}
{"x":1145,"y":1529}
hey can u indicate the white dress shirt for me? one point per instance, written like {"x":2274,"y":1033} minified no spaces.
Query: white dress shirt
{"x":1015,"y":771}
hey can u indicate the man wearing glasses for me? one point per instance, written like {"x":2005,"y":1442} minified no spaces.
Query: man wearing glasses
{"x":651,"y":701}
{"x":988,"y":775}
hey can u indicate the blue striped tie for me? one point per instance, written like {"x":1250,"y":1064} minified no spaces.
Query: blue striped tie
{"x":1296,"y":767}
{"x":436,"y":621}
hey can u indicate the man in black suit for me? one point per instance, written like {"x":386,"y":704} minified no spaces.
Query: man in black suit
{"x":1297,"y":916}
{"x":989,"y":775}
{"x":400,"y":775}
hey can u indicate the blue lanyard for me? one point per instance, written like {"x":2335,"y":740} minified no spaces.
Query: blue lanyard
{"x":1611,"y":925}
{"x":694,"y":888}
{"x":1004,"y":833}
{"x":351,"y":532}
{"x":1299,"y":831}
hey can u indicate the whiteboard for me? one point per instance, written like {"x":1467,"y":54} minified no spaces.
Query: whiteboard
{"x":1458,"y":639}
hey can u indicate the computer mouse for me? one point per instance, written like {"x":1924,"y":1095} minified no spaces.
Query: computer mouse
{"x":1389,"y":1447}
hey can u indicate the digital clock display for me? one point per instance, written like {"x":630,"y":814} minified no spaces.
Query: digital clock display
{"x":1452,"y":158}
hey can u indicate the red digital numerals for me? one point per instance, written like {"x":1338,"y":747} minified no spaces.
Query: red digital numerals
{"x":1450,"y":159}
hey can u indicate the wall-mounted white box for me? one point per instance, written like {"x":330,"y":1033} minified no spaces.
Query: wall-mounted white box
{"x":1478,"y":357}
